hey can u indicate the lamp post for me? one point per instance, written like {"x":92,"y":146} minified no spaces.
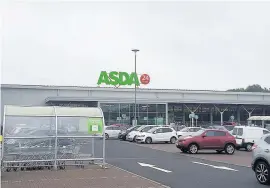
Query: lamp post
{"x":135,"y":87}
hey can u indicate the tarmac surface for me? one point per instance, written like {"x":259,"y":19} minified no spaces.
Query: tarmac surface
{"x":176,"y":170}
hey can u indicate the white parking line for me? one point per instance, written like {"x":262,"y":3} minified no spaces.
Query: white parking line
{"x":216,"y":167}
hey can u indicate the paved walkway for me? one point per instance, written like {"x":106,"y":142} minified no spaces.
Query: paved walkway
{"x":93,"y":177}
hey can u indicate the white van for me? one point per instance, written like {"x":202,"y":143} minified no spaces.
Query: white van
{"x":246,"y":136}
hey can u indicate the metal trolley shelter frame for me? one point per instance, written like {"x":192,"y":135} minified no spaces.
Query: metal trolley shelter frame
{"x":22,"y":151}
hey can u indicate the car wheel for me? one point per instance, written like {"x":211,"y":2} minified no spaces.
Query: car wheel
{"x":134,"y":139}
{"x":249,"y":147}
{"x":148,"y":140}
{"x":173,"y":140}
{"x":193,"y":148}
{"x":106,"y":136}
{"x":184,"y":150}
{"x":230,"y":149}
{"x":262,"y":172}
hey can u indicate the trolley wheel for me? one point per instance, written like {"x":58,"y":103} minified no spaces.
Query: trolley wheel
{"x":8,"y":169}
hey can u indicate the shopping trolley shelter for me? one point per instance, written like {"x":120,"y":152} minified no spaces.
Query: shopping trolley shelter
{"x":51,"y":137}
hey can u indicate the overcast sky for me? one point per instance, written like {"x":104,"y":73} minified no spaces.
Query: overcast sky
{"x":183,"y":45}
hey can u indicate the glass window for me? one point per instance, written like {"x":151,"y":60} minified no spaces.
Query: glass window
{"x":161,"y":108}
{"x":161,"y":119}
{"x":114,"y":108}
{"x":22,"y":125}
{"x":210,"y":133}
{"x":131,"y":108}
{"x":152,"y":118}
{"x":146,"y":129}
{"x":109,"y":128}
{"x":124,"y":108}
{"x":159,"y":130}
{"x":267,"y":139}
{"x":265,"y":132}
{"x":166,"y":130}
{"x":143,"y":119}
{"x":105,"y":107}
{"x":143,"y":108}
{"x":186,"y":129}
{"x":114,"y":118}
{"x":152,"y":108}
{"x":240,"y":132}
{"x":220,"y":133}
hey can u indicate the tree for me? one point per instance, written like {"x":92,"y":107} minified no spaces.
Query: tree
{"x":251,"y":88}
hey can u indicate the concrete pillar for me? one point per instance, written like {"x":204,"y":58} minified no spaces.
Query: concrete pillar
{"x":167,"y":114}
{"x":263,"y":113}
{"x":221,"y":118}
{"x":184,"y":116}
{"x":238,"y":114}
{"x":211,"y":116}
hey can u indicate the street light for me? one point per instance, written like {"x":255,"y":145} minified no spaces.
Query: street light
{"x":135,"y":87}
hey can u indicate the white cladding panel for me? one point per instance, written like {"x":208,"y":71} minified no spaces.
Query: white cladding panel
{"x":72,"y":93}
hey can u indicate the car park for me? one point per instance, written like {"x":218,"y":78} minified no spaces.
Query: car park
{"x":188,"y":131}
{"x":158,"y":134}
{"x":144,"y":128}
{"x":112,"y":131}
{"x":246,"y":136}
{"x":261,"y":159}
{"x":123,"y":133}
{"x":207,"y":140}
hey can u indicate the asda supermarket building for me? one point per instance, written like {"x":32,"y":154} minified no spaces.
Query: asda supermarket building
{"x":155,"y":106}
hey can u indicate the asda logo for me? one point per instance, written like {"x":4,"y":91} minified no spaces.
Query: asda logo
{"x":115,"y":78}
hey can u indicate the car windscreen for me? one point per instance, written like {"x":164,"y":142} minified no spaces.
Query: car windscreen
{"x":237,"y":132}
{"x":229,"y":128}
{"x":132,"y":128}
{"x":184,"y":130}
{"x":147,"y":128}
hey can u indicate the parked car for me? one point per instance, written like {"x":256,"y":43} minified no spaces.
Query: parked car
{"x":246,"y":136}
{"x":112,"y":131}
{"x":207,"y":139}
{"x":123,"y":133}
{"x":261,"y":159}
{"x":188,"y":131}
{"x":158,"y":134}
{"x":218,"y":127}
{"x":144,"y":128}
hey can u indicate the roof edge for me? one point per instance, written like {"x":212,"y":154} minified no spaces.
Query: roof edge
{"x":22,"y":86}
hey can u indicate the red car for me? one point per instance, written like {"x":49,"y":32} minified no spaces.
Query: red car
{"x":207,"y":139}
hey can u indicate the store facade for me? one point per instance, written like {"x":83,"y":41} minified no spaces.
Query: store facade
{"x":154,"y":106}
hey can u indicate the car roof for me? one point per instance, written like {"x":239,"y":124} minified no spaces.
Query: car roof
{"x":249,"y":127}
{"x":215,"y":130}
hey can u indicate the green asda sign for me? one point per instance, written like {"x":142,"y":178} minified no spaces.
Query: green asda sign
{"x":122,"y":78}
{"x":95,"y":125}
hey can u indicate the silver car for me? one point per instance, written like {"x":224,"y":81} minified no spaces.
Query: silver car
{"x":261,"y":159}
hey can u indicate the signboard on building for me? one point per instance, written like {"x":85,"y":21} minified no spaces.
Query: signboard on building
{"x":115,"y":78}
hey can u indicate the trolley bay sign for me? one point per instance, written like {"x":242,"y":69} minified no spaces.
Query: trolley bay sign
{"x":95,"y":125}
{"x":122,"y":78}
